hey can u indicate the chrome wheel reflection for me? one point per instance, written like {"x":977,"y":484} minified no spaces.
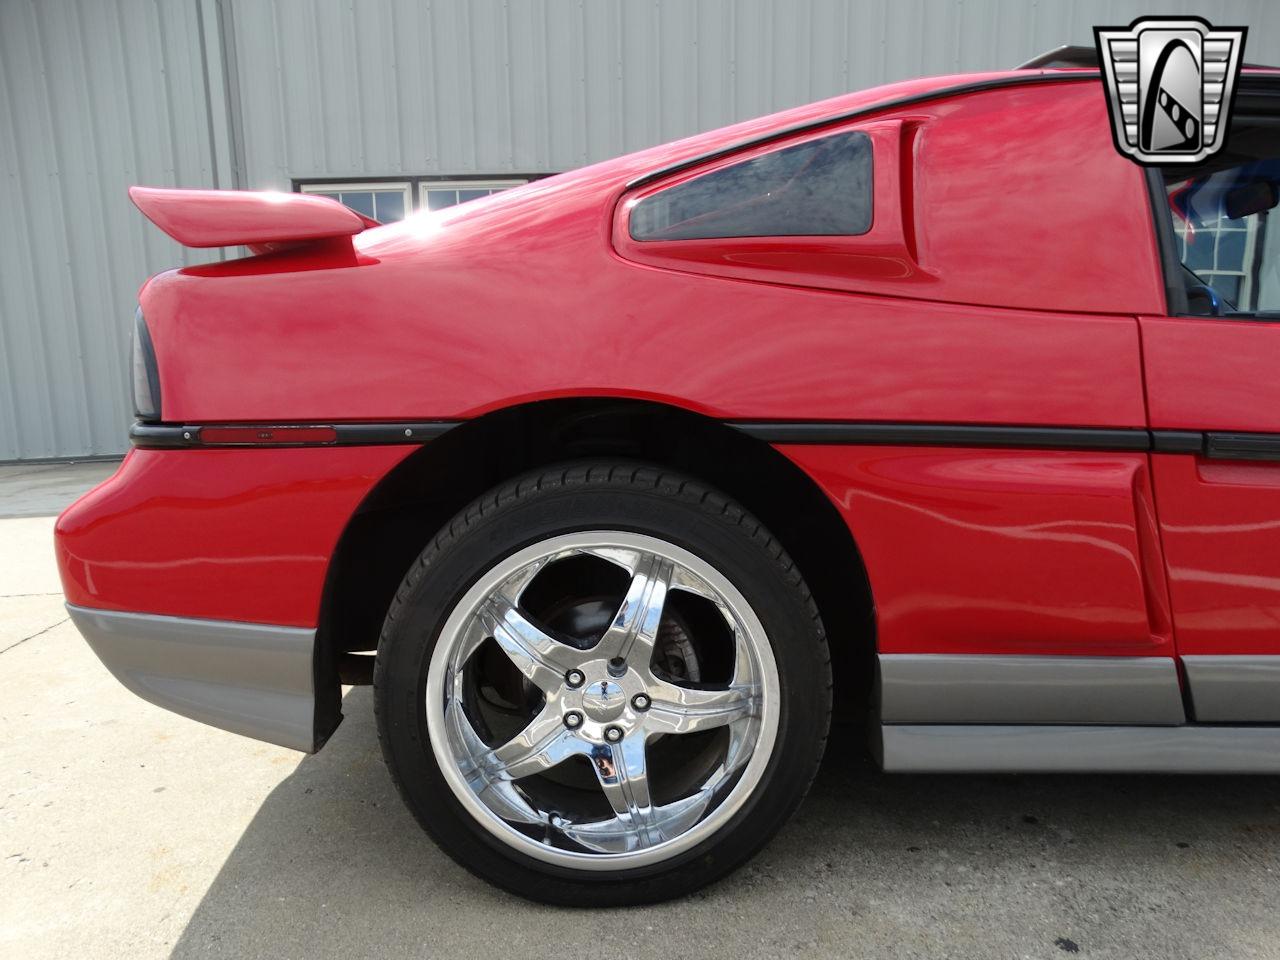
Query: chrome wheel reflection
{"x":602,"y":700}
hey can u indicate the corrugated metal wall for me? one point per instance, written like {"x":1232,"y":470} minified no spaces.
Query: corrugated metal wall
{"x":98,"y":94}
{"x":94,"y":97}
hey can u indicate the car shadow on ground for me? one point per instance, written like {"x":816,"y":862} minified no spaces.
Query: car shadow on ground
{"x":333,"y":864}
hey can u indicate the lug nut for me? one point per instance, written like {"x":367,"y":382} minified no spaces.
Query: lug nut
{"x":573,"y":719}
{"x":613,"y":734}
{"x":640,"y":701}
{"x":574,"y":678}
{"x":617,"y":667}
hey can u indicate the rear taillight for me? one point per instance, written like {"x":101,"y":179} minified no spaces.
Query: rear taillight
{"x":146,"y":376}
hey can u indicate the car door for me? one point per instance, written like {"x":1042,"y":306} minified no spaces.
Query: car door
{"x":1212,"y":370}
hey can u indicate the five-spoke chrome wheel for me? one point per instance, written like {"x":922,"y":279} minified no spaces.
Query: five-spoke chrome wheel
{"x":602,"y":700}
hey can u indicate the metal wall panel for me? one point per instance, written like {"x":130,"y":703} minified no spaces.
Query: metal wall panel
{"x":341,"y":89}
{"x":94,"y":96}
{"x":98,"y":94}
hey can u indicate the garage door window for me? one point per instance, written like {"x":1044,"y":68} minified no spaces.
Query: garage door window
{"x":817,"y":188}
{"x":438,"y":194}
{"x":394,"y":199}
{"x":384,"y":202}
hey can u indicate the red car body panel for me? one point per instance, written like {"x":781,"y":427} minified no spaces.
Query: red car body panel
{"x":949,"y":224}
{"x":243,"y":535}
{"x":1220,"y":520}
{"x":1219,"y":523}
{"x":1002,"y":551}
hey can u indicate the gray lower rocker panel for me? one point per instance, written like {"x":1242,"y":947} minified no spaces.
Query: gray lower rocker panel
{"x":946,"y":688}
{"x":1234,"y":689}
{"x":922,"y":748}
{"x":249,"y":678}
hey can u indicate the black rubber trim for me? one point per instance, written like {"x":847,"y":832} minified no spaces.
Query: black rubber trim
{"x":188,"y":436}
{"x":1242,"y":446}
{"x":1175,"y":291}
{"x":364,"y":434}
{"x":946,"y":435}
{"x":773,"y":135}
{"x":1177,"y":441}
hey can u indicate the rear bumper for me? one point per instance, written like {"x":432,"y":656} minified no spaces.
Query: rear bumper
{"x":253,"y":679}
{"x":197,"y":576}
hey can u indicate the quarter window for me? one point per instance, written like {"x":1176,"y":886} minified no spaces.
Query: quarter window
{"x":818,"y":188}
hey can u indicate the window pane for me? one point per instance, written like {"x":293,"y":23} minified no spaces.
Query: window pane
{"x":1199,"y":255}
{"x":1231,"y":245}
{"x":465,"y":195}
{"x":439,"y":199}
{"x":390,"y":206}
{"x":819,"y":188}
{"x":1227,"y":285}
{"x":360,"y":201}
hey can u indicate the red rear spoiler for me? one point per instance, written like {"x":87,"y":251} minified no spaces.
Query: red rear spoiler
{"x":226,"y":218}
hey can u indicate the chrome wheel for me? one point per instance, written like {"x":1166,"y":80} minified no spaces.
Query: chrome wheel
{"x":602,"y":700}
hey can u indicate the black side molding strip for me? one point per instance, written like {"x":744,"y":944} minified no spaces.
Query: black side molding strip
{"x":367,"y":433}
{"x":1177,"y":441}
{"x":194,"y":437}
{"x":1242,"y":446}
{"x":947,"y":435}
{"x":1214,"y":445}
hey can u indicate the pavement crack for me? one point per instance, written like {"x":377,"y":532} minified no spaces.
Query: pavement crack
{"x":38,"y":633}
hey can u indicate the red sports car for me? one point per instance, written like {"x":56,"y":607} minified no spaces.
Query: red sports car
{"x":923,"y":401}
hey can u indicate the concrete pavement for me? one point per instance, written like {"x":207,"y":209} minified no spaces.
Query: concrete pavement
{"x":43,"y":489}
{"x":126,"y":831}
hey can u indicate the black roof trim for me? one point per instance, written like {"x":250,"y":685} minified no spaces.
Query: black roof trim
{"x":1067,"y":56}
{"x":976,"y":87}
{"x":1071,"y":55}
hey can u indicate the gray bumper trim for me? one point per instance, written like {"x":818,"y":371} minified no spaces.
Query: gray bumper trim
{"x":249,"y":678}
{"x":1234,"y":688}
{"x":1070,"y":749}
{"x":946,"y":688}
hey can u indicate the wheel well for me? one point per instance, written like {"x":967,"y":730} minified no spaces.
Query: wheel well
{"x":418,"y":497}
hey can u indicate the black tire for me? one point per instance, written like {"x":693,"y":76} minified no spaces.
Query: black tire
{"x":588,"y":496}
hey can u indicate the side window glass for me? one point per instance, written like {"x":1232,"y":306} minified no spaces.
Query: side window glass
{"x":818,"y":188}
{"x":1225,"y":231}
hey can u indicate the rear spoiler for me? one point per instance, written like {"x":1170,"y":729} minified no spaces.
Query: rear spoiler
{"x":259,"y":220}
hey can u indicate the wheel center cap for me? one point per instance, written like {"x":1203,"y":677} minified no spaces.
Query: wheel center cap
{"x":603,"y":700}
